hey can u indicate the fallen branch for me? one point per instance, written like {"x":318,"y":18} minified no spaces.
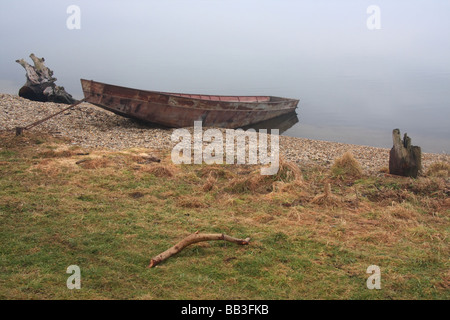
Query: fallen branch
{"x":191,"y":239}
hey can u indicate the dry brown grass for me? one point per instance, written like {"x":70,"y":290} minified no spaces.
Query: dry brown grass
{"x":160,"y":170}
{"x":254,"y":182}
{"x":49,"y":167}
{"x":289,"y":172}
{"x":145,"y":158}
{"x":399,"y":214}
{"x":191,"y":202}
{"x":439,"y":169}
{"x":327,"y":198}
{"x":346,"y":167}
{"x":387,"y":196}
{"x":96,"y":163}
{"x":210,"y":183}
{"x":288,"y":178}
{"x":426,"y":186}
{"x":384,"y":170}
{"x":56,"y":154}
{"x":216,"y":171}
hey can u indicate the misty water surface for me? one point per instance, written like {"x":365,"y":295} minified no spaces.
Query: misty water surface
{"x":354,"y":84}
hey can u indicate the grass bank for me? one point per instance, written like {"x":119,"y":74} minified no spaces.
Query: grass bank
{"x":313,"y":231}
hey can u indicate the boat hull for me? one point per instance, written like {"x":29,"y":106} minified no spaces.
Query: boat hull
{"x":181,"y":110}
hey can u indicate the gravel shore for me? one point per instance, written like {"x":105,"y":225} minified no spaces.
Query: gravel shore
{"x":93,"y":127}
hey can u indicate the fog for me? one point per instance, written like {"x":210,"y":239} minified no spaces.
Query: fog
{"x":354,"y":84}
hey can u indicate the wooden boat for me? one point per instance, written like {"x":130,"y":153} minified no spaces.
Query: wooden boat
{"x":181,"y":110}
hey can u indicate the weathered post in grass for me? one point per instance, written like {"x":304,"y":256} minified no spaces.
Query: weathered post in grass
{"x":404,"y":159}
{"x":40,"y":85}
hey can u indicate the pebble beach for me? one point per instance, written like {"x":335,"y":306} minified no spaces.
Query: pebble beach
{"x":92,"y":127}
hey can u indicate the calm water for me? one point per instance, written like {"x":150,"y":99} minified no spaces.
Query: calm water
{"x":361,"y":110}
{"x":355,"y":85}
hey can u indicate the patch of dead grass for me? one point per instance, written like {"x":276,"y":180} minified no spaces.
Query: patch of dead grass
{"x":210,"y":183}
{"x":96,"y":163}
{"x":402,"y":212}
{"x":216,"y":171}
{"x":289,"y":178}
{"x":426,"y":186}
{"x":160,"y":170}
{"x":289,"y":172}
{"x":49,"y":168}
{"x":327,"y":198}
{"x":56,"y":154}
{"x":439,"y":169}
{"x":254,"y":183}
{"x":346,"y":167}
{"x":191,"y":202}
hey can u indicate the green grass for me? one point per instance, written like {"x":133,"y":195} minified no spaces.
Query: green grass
{"x":111,"y":220}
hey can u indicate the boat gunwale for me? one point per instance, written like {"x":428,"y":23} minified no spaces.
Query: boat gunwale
{"x":190,"y":108}
{"x":179,"y":96}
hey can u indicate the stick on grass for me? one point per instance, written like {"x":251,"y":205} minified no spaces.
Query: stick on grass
{"x":191,"y":239}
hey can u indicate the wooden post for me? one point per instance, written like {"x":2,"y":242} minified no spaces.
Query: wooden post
{"x":404,"y":159}
{"x":19,"y":131}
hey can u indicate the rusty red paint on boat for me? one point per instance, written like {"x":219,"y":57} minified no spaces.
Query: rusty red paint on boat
{"x":181,"y":109}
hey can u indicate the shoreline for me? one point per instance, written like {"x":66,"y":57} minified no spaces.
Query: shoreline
{"x":92,"y":127}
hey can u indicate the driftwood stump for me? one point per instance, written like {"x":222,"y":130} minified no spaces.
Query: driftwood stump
{"x":40,"y":85}
{"x":404,"y":159}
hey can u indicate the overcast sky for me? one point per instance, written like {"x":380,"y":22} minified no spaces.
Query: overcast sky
{"x":320,"y":51}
